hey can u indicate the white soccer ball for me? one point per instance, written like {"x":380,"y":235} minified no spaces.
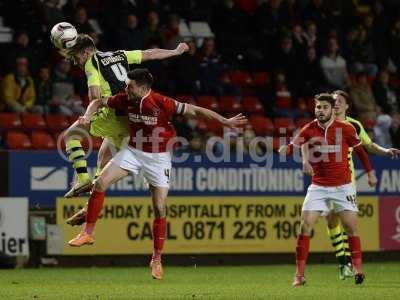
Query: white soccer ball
{"x":63,"y":35}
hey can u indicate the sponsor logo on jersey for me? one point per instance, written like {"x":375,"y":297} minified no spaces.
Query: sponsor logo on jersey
{"x":147,"y":120}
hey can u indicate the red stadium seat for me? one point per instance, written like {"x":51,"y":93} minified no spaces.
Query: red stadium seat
{"x":262,"y":126}
{"x":229,"y":104}
{"x":283,"y":103}
{"x":280,"y":141}
{"x":17,"y":140}
{"x":57,"y":122}
{"x":210,"y":126}
{"x":209,"y":102}
{"x":260,"y":78}
{"x":302,"y":121}
{"x":33,"y":121}
{"x":283,"y":126}
{"x":241,"y":78}
{"x":73,"y":118}
{"x":42,"y":141}
{"x":10,"y":121}
{"x":252,"y":105}
{"x":186,"y":99}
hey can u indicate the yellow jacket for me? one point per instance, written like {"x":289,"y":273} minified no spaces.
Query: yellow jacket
{"x":12,"y":93}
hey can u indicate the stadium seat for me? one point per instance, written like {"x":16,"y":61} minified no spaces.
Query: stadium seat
{"x":186,"y":99}
{"x":17,"y":140}
{"x":210,"y":126}
{"x":302,"y":121}
{"x":209,"y":102}
{"x":283,"y":123}
{"x":280,"y":141}
{"x":10,"y":121}
{"x":73,"y":118}
{"x":252,"y":105}
{"x":33,"y":121}
{"x":283,"y":103}
{"x":260,"y":78}
{"x":42,"y":141}
{"x":261,"y":125}
{"x":94,"y":143}
{"x":229,"y":104}
{"x":57,"y":122}
{"x":200,"y":29}
{"x":241,"y":78}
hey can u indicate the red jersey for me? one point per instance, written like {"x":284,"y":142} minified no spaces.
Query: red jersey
{"x":149,"y":119}
{"x":328,"y":148}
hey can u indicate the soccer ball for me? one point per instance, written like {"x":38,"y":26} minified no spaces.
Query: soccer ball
{"x":63,"y":35}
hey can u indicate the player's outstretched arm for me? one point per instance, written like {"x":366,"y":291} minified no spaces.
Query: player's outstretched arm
{"x":197,"y":111}
{"x":379,"y":150}
{"x":152,"y":54}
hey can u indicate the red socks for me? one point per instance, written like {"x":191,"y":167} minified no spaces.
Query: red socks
{"x":159,"y":233}
{"x":95,"y":206}
{"x":303,"y":246}
{"x":356,"y":254}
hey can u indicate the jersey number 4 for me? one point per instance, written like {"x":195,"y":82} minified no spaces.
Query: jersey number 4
{"x":120,"y":72}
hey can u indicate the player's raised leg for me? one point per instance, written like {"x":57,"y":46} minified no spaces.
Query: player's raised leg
{"x":350,"y":224}
{"x":159,"y":198}
{"x":339,"y":242}
{"x":308,"y":219}
{"x":111,"y":173}
{"x":76,"y":155}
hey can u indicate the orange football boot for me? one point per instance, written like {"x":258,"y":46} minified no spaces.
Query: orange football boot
{"x":81,"y":239}
{"x":299,"y":281}
{"x":156,"y":269}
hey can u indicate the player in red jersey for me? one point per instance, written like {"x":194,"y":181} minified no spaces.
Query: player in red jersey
{"x":151,"y":138}
{"x":329,"y":141}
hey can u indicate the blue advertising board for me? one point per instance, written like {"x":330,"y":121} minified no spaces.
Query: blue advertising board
{"x":44,"y":175}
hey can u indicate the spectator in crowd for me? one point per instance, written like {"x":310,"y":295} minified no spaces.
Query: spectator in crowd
{"x":17,"y":89}
{"x":334,"y":67}
{"x":395,"y":43}
{"x":152,"y":32}
{"x":52,"y":12}
{"x":385,"y":95}
{"x":188,"y":79}
{"x":43,"y":87}
{"x":382,"y":130}
{"x":286,"y":60}
{"x":211,"y":70}
{"x":158,"y":68}
{"x":363,"y":98}
{"x":81,"y":21}
{"x":311,"y":74}
{"x":310,"y":34}
{"x":171,"y":34}
{"x":364,"y":53}
{"x":64,"y":99}
{"x":300,"y":43}
{"x":282,"y":97}
{"x":130,"y":37}
{"x":20,"y":48}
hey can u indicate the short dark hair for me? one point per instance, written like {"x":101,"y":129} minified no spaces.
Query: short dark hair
{"x":325,"y":97}
{"x":83,"y":41}
{"x":346,"y":96}
{"x":142,"y":77}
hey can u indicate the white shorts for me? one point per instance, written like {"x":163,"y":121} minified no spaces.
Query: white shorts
{"x":155,"y":167}
{"x":325,"y":199}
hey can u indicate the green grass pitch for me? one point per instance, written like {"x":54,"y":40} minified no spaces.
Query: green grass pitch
{"x":242,"y":282}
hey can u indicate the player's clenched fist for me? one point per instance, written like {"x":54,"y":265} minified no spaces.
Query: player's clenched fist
{"x":182,"y":48}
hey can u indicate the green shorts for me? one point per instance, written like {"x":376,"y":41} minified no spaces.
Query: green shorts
{"x":106,"y":124}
